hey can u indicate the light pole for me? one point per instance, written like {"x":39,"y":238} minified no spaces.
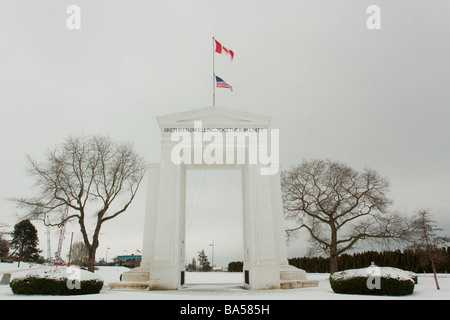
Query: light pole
{"x":212,"y":259}
{"x":106,"y":255}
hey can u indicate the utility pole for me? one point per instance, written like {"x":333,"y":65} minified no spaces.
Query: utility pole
{"x":70,"y":249}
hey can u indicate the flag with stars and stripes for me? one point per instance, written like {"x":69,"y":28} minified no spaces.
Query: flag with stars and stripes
{"x":222,"y":84}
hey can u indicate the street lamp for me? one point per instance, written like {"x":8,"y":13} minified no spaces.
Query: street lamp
{"x":106,"y":255}
{"x":212,"y":260}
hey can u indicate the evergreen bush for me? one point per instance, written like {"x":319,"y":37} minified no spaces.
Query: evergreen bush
{"x":235,"y":266}
{"x":406,"y":260}
{"x":351,"y":282}
{"x":34,"y":285}
{"x":55,"y":282}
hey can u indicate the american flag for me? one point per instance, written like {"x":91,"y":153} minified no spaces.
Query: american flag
{"x":222,"y":84}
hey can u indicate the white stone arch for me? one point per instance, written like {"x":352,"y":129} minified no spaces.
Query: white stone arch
{"x":265,"y":261}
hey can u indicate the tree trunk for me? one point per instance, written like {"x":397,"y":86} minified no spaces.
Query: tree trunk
{"x":20,"y":254}
{"x":434,"y":272}
{"x":91,"y":247}
{"x":91,"y":258}
{"x":333,"y":249}
{"x":333,"y":262}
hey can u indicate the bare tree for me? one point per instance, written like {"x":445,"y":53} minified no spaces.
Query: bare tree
{"x":339,"y":206}
{"x":79,"y":252}
{"x":95,"y":177}
{"x":426,"y":241}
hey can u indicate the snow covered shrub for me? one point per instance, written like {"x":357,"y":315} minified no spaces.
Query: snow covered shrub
{"x":373,"y":281}
{"x":57,"y":281}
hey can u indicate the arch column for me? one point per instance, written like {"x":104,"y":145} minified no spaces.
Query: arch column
{"x":261,"y":266}
{"x":167,"y":260}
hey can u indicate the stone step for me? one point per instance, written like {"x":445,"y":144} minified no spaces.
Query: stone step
{"x":139,"y":274}
{"x":5,"y":278}
{"x":295,"y":284}
{"x":129,"y":285}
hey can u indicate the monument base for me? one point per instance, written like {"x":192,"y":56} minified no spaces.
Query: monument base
{"x":296,"y":284}
{"x":293,"y":278}
{"x":139,"y":279}
{"x":135,"y":279}
{"x":261,"y":276}
{"x":128,"y":285}
{"x":288,"y":272}
{"x":140,"y":274}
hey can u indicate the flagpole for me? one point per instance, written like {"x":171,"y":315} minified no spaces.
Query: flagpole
{"x":214,"y":78}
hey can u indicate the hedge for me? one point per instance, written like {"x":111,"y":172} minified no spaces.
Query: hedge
{"x":388,"y":287}
{"x":31,"y":285}
{"x":359,"y":285}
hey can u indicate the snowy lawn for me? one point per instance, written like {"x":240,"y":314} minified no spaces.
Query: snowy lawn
{"x":222,"y":286}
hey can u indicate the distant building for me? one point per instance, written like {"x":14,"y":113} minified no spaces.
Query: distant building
{"x":131,"y":261}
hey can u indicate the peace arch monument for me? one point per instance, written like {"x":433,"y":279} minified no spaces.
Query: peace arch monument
{"x":163,"y":251}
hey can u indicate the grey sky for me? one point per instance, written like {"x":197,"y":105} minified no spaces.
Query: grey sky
{"x":334,"y":89}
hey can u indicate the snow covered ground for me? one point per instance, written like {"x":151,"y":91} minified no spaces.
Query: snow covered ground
{"x":221,"y":286}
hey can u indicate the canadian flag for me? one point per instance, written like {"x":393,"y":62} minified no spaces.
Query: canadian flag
{"x":221,"y":49}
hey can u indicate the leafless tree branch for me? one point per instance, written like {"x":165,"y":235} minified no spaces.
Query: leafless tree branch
{"x":89,"y":175}
{"x":339,"y":206}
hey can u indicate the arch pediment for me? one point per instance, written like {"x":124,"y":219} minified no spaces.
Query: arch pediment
{"x":213,"y":117}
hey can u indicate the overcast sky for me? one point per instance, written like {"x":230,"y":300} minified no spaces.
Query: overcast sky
{"x":334,"y":89}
